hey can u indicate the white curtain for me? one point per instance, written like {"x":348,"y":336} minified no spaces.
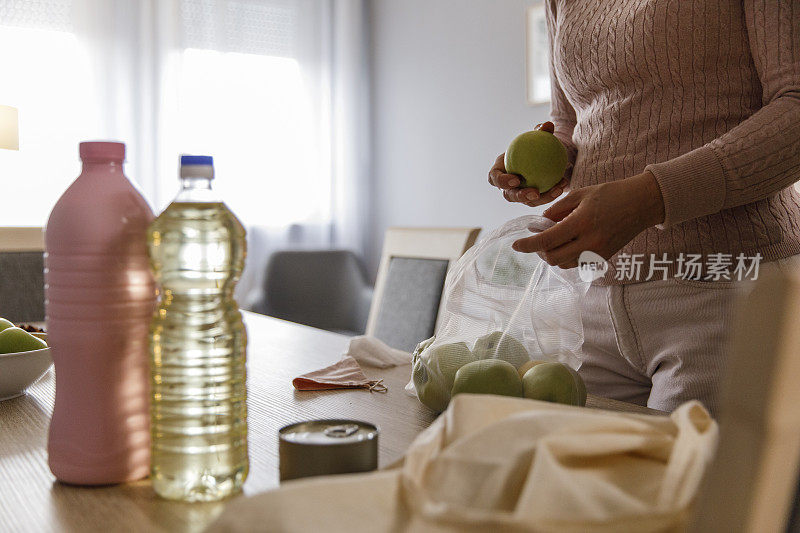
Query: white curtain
{"x":275,"y":90}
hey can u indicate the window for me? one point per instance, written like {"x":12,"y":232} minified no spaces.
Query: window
{"x":45,"y":73}
{"x":250,"y":82}
{"x":253,"y":113}
{"x":241,"y":80}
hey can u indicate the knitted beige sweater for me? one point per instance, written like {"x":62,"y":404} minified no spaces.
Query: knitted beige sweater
{"x":705,"y":94}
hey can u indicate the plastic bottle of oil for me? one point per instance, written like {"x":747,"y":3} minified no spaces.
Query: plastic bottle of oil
{"x":197,"y":344}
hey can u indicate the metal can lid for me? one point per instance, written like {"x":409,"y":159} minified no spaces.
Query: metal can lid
{"x":328,"y":432}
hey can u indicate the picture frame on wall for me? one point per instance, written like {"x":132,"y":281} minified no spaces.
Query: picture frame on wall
{"x":536,"y":56}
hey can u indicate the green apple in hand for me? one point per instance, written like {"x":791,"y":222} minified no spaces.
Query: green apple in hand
{"x":15,"y":339}
{"x":554,"y":382}
{"x":538,"y":157}
{"x":488,"y":376}
{"x":5,"y":324}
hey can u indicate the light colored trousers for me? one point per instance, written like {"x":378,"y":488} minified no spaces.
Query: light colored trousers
{"x":661,"y":343}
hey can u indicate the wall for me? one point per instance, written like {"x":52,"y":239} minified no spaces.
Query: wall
{"x":448,"y":94}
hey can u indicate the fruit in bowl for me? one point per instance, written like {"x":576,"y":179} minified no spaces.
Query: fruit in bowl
{"x":39,"y":333}
{"x":16,"y":339}
{"x":24,"y":358}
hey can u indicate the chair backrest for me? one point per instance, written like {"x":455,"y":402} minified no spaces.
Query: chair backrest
{"x":753,"y":483}
{"x":22,"y":274}
{"x":408,"y":288}
{"x":327,"y":289}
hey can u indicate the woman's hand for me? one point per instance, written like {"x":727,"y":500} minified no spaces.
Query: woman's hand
{"x":601,"y":218}
{"x":510,"y":183}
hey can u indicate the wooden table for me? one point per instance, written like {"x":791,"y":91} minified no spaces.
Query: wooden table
{"x":32,"y":500}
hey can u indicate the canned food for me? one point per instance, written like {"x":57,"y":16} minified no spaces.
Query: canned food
{"x":325,"y":447}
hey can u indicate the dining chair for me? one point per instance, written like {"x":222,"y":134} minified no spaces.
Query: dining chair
{"x":408,"y":288}
{"x":326,"y":289}
{"x":752,"y":485}
{"x":22,"y":274}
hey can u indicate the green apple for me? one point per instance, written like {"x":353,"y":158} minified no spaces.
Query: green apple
{"x":488,"y":376}
{"x":430,"y":387}
{"x":554,"y":382}
{"x":15,"y":339}
{"x":434,"y":373}
{"x":499,"y":345}
{"x":5,"y":324}
{"x":448,"y":358}
{"x":538,"y":157}
{"x":527,"y":366}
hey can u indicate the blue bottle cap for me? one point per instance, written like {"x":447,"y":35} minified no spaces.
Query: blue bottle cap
{"x":197,"y":160}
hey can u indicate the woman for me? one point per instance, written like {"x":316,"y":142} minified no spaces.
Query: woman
{"x":682,"y":123}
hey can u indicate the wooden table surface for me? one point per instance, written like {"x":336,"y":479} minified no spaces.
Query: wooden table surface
{"x":32,"y":500}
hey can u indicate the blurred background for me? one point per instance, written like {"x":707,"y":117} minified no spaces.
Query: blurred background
{"x":329,"y":120}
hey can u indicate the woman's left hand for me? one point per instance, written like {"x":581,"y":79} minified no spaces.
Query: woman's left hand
{"x":601,"y":218}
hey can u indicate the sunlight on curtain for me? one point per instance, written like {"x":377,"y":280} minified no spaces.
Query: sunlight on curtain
{"x":237,"y":79}
{"x":259,"y":131}
{"x":43,"y":74}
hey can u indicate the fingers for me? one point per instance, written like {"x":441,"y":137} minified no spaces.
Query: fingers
{"x":506,"y":181}
{"x":510,"y":183}
{"x":527,"y":196}
{"x":563,"y":184}
{"x":531,"y":196}
{"x":564,"y":207}
{"x":500,"y":178}
{"x":566,"y":255}
{"x":553,"y":193}
{"x":547,"y":240}
{"x":548,"y":126}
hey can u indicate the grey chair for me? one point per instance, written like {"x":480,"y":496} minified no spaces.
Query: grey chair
{"x":22,"y":274}
{"x":408,"y":291}
{"x":326,"y":289}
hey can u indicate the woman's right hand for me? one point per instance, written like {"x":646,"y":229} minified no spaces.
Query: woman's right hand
{"x":509,"y":184}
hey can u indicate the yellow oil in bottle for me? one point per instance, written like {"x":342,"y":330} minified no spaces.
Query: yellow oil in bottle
{"x":197,"y":343}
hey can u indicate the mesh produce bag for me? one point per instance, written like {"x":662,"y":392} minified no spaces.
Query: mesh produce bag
{"x":499,"y":303}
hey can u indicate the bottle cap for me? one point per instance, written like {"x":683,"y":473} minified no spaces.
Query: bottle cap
{"x":197,"y":166}
{"x":102,"y":151}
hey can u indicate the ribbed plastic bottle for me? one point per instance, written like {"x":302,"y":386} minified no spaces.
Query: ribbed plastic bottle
{"x":197,"y":344}
{"x":99,"y":298}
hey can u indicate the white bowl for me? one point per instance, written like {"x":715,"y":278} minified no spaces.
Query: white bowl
{"x":20,"y":370}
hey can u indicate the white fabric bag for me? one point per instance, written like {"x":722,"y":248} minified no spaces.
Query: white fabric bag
{"x":560,"y":469}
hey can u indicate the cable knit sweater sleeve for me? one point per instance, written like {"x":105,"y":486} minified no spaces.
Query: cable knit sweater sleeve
{"x":561,"y":111}
{"x":761,"y":155}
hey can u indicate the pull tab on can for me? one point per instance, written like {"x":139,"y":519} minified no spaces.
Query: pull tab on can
{"x":343,"y":430}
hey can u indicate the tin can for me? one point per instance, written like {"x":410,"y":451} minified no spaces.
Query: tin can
{"x":325,"y":447}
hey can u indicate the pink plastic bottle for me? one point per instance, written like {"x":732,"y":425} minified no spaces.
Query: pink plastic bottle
{"x":100,"y":296}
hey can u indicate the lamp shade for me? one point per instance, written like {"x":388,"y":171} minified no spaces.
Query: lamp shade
{"x":9,"y":128}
